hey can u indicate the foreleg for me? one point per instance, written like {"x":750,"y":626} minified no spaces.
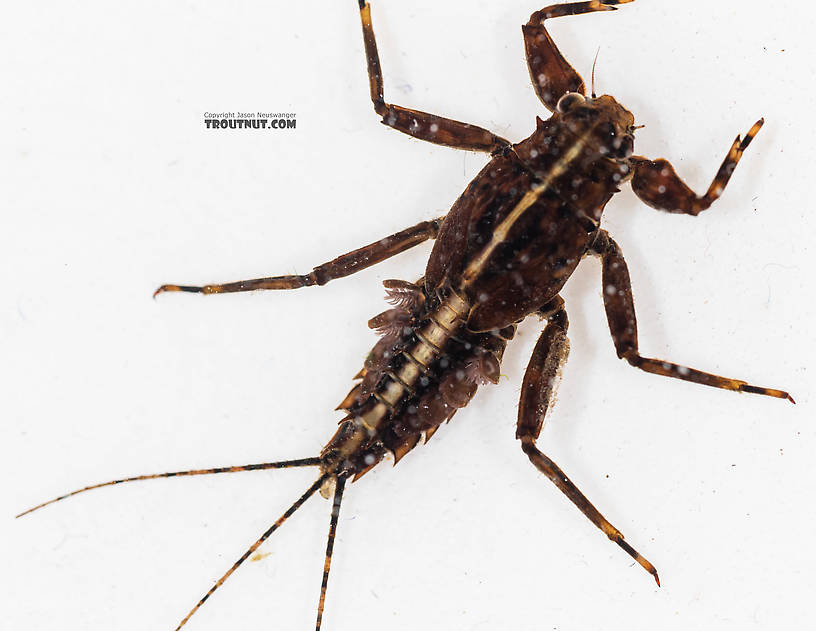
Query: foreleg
{"x":658,"y":185}
{"x":551,"y":74}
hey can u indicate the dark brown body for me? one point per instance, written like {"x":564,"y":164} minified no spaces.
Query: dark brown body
{"x":488,"y":270}
{"x":503,"y":252}
{"x":543,"y":247}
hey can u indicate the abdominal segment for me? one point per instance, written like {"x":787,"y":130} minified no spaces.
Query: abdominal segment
{"x":425,"y":366}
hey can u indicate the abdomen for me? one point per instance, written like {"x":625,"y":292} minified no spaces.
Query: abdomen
{"x":426,"y":366}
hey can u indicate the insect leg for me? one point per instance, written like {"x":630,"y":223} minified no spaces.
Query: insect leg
{"x":552,"y":75}
{"x":338,"y":497}
{"x":436,"y":129}
{"x":656,"y":183}
{"x":549,"y":356}
{"x":620,"y":313}
{"x":343,"y":265}
{"x":298,"y":503}
{"x":284,"y":464}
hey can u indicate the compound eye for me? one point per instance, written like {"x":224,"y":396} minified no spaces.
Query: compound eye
{"x":568,"y":101}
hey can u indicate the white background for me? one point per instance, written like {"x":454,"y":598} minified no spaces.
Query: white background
{"x":111,"y":186}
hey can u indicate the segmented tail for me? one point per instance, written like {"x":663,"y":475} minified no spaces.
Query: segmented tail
{"x":284,"y":464}
{"x":340,"y":481}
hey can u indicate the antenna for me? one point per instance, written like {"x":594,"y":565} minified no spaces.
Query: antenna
{"x":594,"y":61}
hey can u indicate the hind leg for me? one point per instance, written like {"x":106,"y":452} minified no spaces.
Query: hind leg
{"x":548,"y":358}
{"x":343,"y":265}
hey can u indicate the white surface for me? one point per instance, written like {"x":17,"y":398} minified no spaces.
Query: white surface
{"x":112,"y":186}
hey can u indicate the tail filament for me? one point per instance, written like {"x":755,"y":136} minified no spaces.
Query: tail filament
{"x":284,"y":464}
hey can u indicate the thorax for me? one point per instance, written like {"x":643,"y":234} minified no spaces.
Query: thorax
{"x":518,"y":231}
